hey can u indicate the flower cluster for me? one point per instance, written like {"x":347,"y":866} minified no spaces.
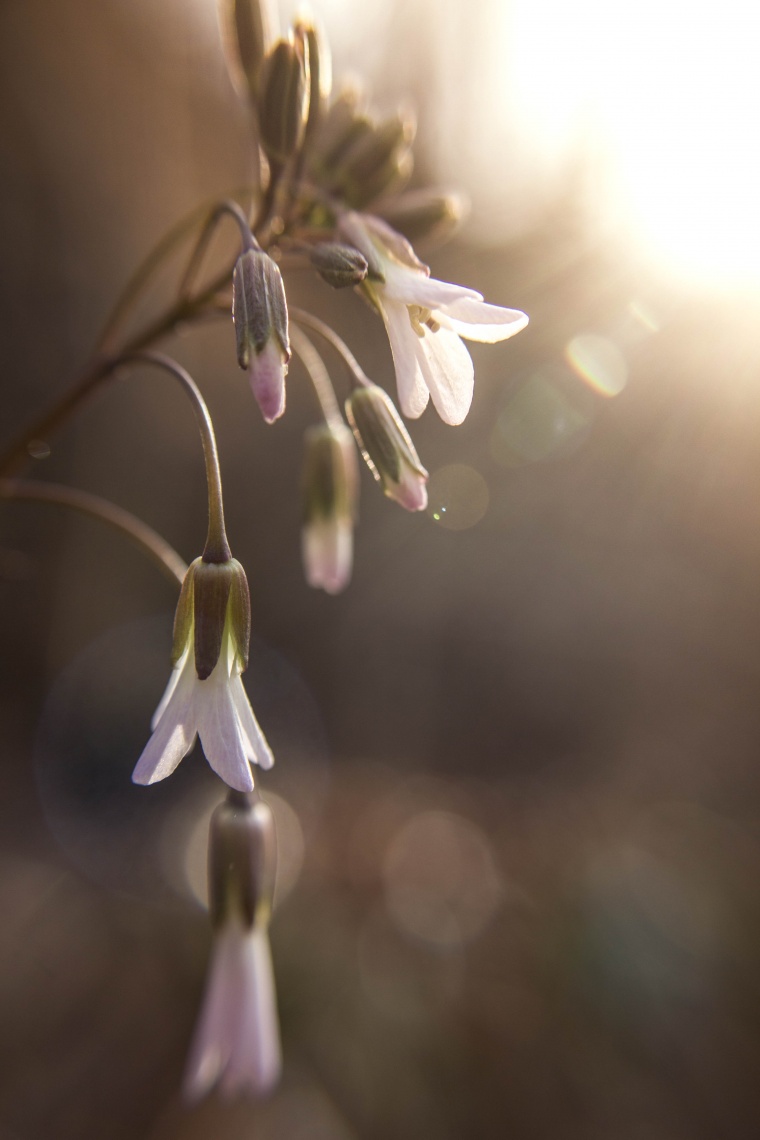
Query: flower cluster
{"x":334,"y":189}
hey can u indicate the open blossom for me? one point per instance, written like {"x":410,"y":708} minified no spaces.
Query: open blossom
{"x":425,"y":320}
{"x":205,"y":696}
{"x":236,"y":1046}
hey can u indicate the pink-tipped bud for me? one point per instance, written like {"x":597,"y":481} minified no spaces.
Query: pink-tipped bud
{"x":260,"y":313}
{"x":387,"y":447}
{"x":330,"y":488}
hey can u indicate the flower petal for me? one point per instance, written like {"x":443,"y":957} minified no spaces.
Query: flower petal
{"x":413,"y":393}
{"x":480,"y":321}
{"x":170,"y":689}
{"x":257,"y":748}
{"x":171,"y":741}
{"x":414,"y":288}
{"x":255,"y":1060}
{"x":327,"y":546}
{"x":220,"y":732}
{"x":449,"y":373}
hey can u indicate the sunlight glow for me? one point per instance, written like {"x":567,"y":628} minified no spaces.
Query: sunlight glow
{"x":671,"y":91}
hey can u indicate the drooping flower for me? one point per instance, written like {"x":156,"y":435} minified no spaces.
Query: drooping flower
{"x":260,"y":313}
{"x":425,"y":320}
{"x":387,"y":447}
{"x":205,"y":696}
{"x":236,"y":1045}
{"x":330,"y":488}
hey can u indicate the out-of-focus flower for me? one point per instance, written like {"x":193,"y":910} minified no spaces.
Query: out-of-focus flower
{"x":260,"y":313}
{"x":205,"y":696}
{"x":425,"y":320}
{"x":236,"y":1045}
{"x":330,"y":487}
{"x":387,"y":447}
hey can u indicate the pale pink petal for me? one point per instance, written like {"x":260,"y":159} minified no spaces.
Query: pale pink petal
{"x":411,"y":490}
{"x":255,"y":1060}
{"x":449,"y":373}
{"x":327,"y":547}
{"x":477,"y":320}
{"x":256,"y":746}
{"x":213,"y":1039}
{"x":221,"y":736}
{"x":237,"y":1040}
{"x":267,"y":376}
{"x":413,"y":392}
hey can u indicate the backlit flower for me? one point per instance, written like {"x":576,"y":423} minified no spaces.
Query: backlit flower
{"x":425,"y":320}
{"x":205,"y":696}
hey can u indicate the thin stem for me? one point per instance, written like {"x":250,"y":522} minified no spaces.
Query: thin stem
{"x":318,"y":375}
{"x":340,"y":346}
{"x":217,"y":548}
{"x":138,"y":532}
{"x":231,"y":208}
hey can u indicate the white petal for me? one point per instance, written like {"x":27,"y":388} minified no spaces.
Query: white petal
{"x":175,"y":733}
{"x":219,"y":729}
{"x":415,"y":288}
{"x":256,"y":746}
{"x":413,"y":394}
{"x":170,"y":689}
{"x":477,"y":320}
{"x":449,"y":373}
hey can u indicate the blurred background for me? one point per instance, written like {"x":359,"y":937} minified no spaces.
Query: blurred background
{"x":517,"y":783}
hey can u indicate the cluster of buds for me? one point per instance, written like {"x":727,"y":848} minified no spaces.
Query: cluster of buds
{"x":333,"y":178}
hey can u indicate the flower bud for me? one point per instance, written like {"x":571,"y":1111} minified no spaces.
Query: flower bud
{"x":320,"y":73}
{"x":214,"y":599}
{"x":339,"y":265}
{"x":260,"y":314}
{"x":330,"y":488}
{"x":387,"y":447}
{"x":248,"y":28}
{"x":284,"y":103}
{"x":376,"y":160}
{"x":424,"y":215}
{"x":241,"y":861}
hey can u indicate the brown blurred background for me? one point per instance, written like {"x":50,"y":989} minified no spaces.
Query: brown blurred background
{"x":517,"y":761}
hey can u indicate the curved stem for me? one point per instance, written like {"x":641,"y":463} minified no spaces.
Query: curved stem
{"x":148,"y":267}
{"x":138,"y":532}
{"x":332,"y":338}
{"x":230,"y":207}
{"x":318,"y":375}
{"x":217,"y":548}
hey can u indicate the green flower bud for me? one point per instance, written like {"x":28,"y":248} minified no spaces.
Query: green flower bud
{"x":387,"y":447}
{"x":424,"y":215}
{"x":214,"y":600}
{"x":248,"y":28}
{"x":284,"y":103}
{"x":242,"y":862}
{"x":339,"y":265}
